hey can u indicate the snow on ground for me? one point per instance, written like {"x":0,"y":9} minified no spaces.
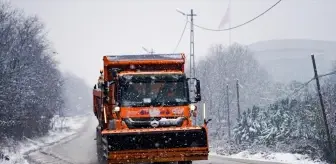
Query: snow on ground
{"x":274,"y":157}
{"x":61,"y":128}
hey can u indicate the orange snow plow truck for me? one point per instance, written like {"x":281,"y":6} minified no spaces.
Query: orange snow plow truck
{"x":144,"y":105}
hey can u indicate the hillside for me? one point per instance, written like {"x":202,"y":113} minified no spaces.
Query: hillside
{"x":289,"y":59}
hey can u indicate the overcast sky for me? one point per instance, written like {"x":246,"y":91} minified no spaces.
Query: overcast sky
{"x":82,"y":31}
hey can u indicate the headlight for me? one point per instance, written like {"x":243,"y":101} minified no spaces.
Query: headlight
{"x":116,"y":109}
{"x":192,"y":107}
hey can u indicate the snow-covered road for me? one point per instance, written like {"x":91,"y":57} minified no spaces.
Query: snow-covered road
{"x":81,"y":149}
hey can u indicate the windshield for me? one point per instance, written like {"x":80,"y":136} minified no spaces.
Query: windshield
{"x":155,"y":90}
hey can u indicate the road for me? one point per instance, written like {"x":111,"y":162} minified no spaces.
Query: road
{"x":81,"y":149}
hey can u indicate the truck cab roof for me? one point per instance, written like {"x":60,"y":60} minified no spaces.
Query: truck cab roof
{"x":178,"y":58}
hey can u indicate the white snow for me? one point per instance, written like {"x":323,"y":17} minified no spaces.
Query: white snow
{"x":61,"y":127}
{"x":274,"y":157}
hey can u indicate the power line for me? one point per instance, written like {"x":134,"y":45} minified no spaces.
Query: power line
{"x":185,"y":26}
{"x":294,"y":92}
{"x":230,"y":28}
{"x":306,"y":83}
{"x":302,"y":86}
{"x":327,"y":74}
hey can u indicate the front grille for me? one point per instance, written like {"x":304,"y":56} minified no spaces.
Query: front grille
{"x":134,"y":123}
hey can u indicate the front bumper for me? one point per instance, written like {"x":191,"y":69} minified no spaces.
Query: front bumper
{"x":156,"y":145}
{"x":166,"y":155}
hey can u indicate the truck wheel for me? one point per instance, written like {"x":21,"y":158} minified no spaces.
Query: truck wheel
{"x":98,"y":147}
{"x":100,"y":158}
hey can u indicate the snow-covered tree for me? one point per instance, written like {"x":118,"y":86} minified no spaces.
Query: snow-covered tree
{"x":222,"y":66}
{"x":30,"y":83}
{"x":291,"y":125}
{"x":248,"y":127}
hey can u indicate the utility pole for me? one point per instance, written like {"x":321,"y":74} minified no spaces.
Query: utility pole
{"x":322,"y":105}
{"x":192,"y":57}
{"x":238,"y":106}
{"x":192,"y":52}
{"x":192,"y":46}
{"x":228,"y":108}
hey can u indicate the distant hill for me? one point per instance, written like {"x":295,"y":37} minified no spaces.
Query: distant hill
{"x":290,"y":59}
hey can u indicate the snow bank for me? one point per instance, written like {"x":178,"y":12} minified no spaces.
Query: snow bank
{"x":274,"y":157}
{"x":61,"y":127}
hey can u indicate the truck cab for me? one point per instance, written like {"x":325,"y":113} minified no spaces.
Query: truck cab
{"x":144,"y":105}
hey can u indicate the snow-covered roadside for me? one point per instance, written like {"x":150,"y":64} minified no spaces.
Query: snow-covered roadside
{"x":273,"y":157}
{"x":62,"y":127}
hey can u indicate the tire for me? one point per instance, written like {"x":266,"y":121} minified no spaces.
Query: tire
{"x":98,"y":146}
{"x":100,"y":158}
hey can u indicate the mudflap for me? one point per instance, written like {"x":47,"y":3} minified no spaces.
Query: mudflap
{"x":172,"y":144}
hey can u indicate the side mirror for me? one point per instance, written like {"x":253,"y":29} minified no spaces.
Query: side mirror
{"x":118,"y":95}
{"x":198,"y":91}
{"x":195,"y":89}
{"x":106,"y":91}
{"x":114,"y":72}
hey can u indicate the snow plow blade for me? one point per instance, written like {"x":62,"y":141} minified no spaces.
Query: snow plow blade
{"x":156,"y":145}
